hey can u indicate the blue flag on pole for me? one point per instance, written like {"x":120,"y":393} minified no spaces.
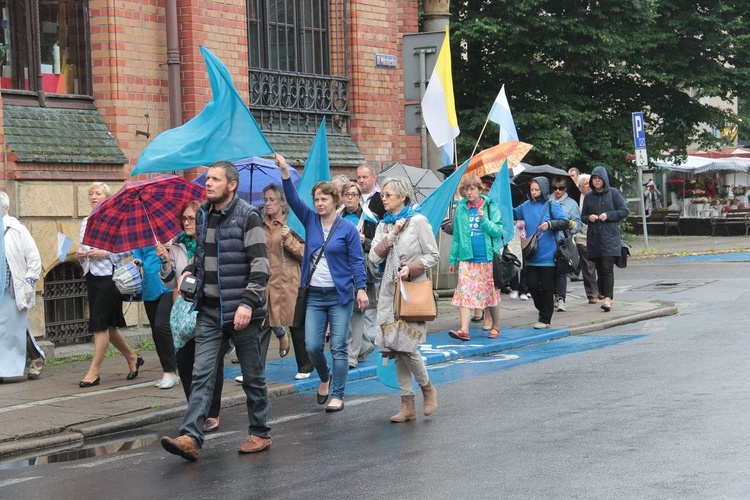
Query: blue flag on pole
{"x":434,"y":206}
{"x":500,"y":114}
{"x":500,"y":194}
{"x":317,"y":169}
{"x":224,"y":130}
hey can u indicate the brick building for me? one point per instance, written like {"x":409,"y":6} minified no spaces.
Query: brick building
{"x":87,"y":84}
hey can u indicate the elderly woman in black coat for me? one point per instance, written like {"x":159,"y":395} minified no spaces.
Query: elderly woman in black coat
{"x":603,"y":209}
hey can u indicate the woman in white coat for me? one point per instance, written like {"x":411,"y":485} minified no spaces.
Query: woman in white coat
{"x":21,"y":267}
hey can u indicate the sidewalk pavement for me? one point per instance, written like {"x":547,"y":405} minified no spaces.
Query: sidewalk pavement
{"x":53,"y":412}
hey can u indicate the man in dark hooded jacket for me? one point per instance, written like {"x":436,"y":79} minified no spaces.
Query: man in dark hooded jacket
{"x":603,"y":209}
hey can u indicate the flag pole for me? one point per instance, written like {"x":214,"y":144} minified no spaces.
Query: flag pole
{"x":480,"y":137}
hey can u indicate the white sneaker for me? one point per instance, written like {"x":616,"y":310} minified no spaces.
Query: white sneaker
{"x":561,"y":305}
{"x":514,"y":295}
{"x":238,"y":379}
{"x":301,"y":376}
{"x":540,"y":326}
{"x":169,"y":382}
{"x":524,"y":296}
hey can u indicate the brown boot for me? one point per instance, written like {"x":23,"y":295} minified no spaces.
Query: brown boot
{"x":407,"y":411}
{"x":430,"y":398}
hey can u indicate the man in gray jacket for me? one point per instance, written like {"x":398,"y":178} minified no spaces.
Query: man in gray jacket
{"x":232,"y":270}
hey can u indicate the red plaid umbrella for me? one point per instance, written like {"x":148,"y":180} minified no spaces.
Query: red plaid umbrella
{"x":141,"y":214}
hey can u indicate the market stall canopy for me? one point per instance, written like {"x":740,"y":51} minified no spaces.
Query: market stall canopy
{"x":699,"y":164}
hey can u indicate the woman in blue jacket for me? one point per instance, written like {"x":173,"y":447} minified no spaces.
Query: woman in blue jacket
{"x":337,"y":278}
{"x":603,"y":209}
{"x":543,"y":216}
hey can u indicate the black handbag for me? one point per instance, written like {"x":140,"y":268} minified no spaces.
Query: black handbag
{"x":567,"y":258}
{"x":622,"y":260}
{"x":505,"y":265}
{"x":300,"y":306}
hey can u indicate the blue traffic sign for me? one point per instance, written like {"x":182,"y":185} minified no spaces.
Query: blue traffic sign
{"x":639,"y":131}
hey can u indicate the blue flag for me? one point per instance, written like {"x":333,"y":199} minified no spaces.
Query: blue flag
{"x":500,"y":194}
{"x":434,"y":206}
{"x":224,"y":130}
{"x":317,"y":169}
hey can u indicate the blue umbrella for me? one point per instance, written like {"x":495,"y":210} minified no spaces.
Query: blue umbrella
{"x":255,"y":174}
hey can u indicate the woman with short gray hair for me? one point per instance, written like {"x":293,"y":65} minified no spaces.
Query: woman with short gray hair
{"x":404,"y":241}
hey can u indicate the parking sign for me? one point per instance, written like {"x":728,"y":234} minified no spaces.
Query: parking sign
{"x":639,"y":131}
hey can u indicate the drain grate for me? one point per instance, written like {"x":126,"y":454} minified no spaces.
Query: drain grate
{"x":672,"y":285}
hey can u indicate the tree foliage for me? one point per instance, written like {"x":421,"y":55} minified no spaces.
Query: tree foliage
{"x":574,"y":71}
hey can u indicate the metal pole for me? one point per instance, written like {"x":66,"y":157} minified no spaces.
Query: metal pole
{"x":422,"y":88}
{"x":643,"y":205}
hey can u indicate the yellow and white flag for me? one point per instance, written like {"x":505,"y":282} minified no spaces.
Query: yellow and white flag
{"x":438,"y":104}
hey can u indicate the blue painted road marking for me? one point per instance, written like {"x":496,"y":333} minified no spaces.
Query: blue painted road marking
{"x":466,"y":368}
{"x":441,"y":348}
{"x":725,"y":257}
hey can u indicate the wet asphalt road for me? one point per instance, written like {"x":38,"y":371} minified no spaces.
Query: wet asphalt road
{"x":663,"y":412}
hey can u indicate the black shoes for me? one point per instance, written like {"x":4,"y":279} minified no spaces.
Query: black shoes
{"x":85,"y":384}
{"x":140,"y":362}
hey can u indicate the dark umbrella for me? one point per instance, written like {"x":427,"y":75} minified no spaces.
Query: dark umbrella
{"x":530,"y":171}
{"x":256,"y":174}
{"x":140,"y":214}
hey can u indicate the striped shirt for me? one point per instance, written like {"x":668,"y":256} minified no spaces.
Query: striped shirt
{"x":210,"y":259}
{"x":99,"y":267}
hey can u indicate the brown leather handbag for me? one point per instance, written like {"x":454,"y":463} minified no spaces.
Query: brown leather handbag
{"x":421,"y":305}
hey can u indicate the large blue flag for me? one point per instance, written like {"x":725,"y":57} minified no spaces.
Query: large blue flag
{"x":224,"y":130}
{"x":317,"y":169}
{"x":434,"y":206}
{"x":500,"y":194}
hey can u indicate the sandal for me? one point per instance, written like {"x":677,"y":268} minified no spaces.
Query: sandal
{"x":459,"y":334}
{"x":477,"y":319}
{"x":494,"y":333}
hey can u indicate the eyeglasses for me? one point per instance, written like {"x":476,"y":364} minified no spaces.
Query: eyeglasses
{"x":558,"y":188}
{"x":189,"y":219}
{"x":387,"y":195}
{"x":351,"y":195}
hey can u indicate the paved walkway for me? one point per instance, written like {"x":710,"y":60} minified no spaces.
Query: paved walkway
{"x":54,"y":411}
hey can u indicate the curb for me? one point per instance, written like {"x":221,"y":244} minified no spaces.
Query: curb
{"x":77,"y":434}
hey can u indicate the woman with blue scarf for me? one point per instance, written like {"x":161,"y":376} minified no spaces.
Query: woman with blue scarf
{"x":405,"y":242}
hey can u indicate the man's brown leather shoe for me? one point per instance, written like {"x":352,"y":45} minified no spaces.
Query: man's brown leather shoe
{"x":183,"y":446}
{"x":254,"y":444}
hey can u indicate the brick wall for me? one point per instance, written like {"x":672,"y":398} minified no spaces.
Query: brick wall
{"x":129,"y":53}
{"x":377,"y":102}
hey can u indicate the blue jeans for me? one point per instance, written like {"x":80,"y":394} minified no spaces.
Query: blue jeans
{"x":210,"y":345}
{"x":323,"y":308}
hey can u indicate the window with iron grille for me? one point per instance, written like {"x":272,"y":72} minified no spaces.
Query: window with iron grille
{"x":65,"y":316}
{"x":298,"y":72}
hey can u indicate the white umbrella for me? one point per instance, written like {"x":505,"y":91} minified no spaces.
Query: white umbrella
{"x":423,"y":180}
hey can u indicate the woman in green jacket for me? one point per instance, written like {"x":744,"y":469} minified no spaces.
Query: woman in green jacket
{"x":476,"y":237}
